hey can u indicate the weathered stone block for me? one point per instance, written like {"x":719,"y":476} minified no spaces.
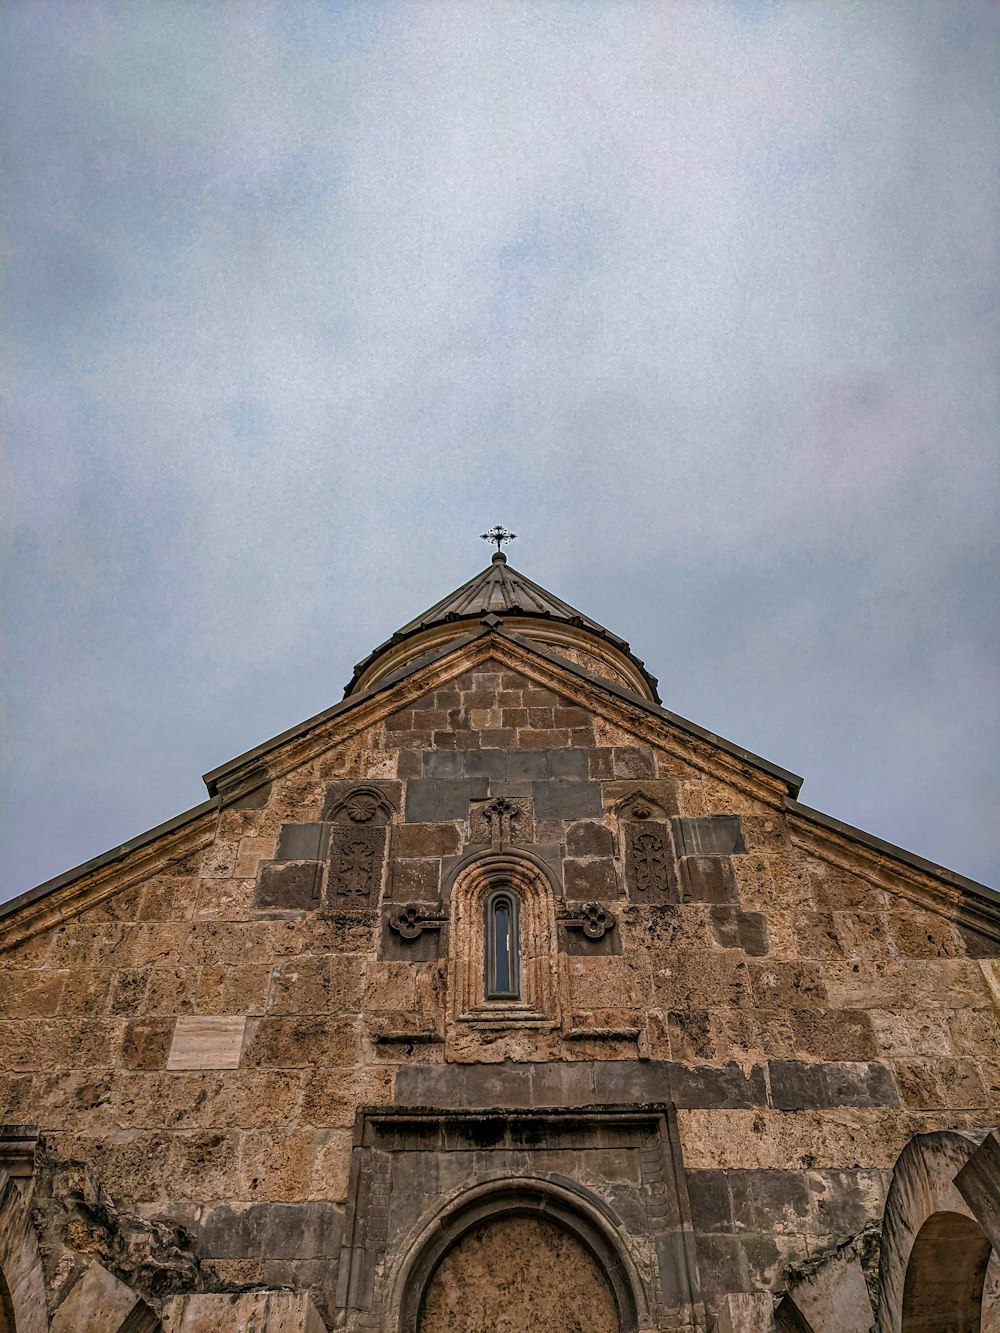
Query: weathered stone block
{"x":567,"y":798}
{"x":293,"y":885}
{"x":590,"y":879}
{"x":707,"y":879}
{"x":713,"y":835}
{"x":302,"y":842}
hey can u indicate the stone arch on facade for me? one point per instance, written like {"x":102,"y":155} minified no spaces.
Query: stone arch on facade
{"x":566,"y":1208}
{"x":935,"y":1250}
{"x":22,"y":1280}
{"x":530,"y":882}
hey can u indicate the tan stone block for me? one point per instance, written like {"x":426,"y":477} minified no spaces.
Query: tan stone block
{"x":206,"y":1099}
{"x":975,"y":1032}
{"x":121,"y":905}
{"x":835,"y":889}
{"x":53,"y":1043}
{"x":793,"y":985}
{"x":171,"y":990}
{"x":766,"y":833}
{"x":865,"y":935}
{"x":253,"y":850}
{"x":202,"y":1042}
{"x":754,"y":1139}
{"x":229,"y":942}
{"x":816,"y":936}
{"x":791,"y":888}
{"x":202,"y":1164}
{"x":166,"y":898}
{"x":663,"y":929}
{"x":156,"y":944}
{"x":225,"y":900}
{"x":331,"y":1166}
{"x":146,"y":1043}
{"x":952,"y":982}
{"x":218,"y":861}
{"x":299,"y":1042}
{"x":273,"y":1311}
{"x":701,"y":979}
{"x":30,"y":994}
{"x":415,"y":840}
{"x":830,"y":1034}
{"x":923,"y":935}
{"x":72,"y":1100}
{"x":390,"y":986}
{"x":919,"y":1084}
{"x":380,"y":763}
{"x":77,"y":945}
{"x":332,"y":1096}
{"x":609,"y":982}
{"x":321,"y":985}
{"x":97,"y":1301}
{"x":233,"y":990}
{"x":17,"y":1098}
{"x":128,"y":990}
{"x":275,"y":1166}
{"x":909,"y":1032}
{"x":86,"y":992}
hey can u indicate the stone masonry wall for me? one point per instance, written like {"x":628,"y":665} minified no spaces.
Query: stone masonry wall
{"x":204,"y":1039}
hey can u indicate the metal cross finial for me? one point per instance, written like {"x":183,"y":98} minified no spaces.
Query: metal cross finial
{"x":498,"y":534}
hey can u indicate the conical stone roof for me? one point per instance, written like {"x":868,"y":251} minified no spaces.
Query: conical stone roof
{"x":501,"y":594}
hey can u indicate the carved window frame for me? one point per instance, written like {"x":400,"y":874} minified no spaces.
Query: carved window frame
{"x":521,"y":879}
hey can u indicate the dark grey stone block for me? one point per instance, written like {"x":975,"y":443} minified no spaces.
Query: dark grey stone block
{"x":797,"y":1085}
{"x":567,"y":798}
{"x":675,"y":1263}
{"x":293,"y":885}
{"x":235,"y":1233}
{"x":577,"y":944}
{"x":563,"y":1084}
{"x":432,"y":799}
{"x":303,"y":1231}
{"x":843,"y":1200}
{"x":711,"y":1206}
{"x":527,"y":764}
{"x":568,"y":763}
{"x":487,"y":1086}
{"x":707,"y":879}
{"x":708,"y":1086}
{"x":485,"y":764}
{"x":629,"y":1081}
{"x":422,"y":796}
{"x":428,"y":946}
{"x":714,"y":835}
{"x":431,"y":1085}
{"x":443,"y":763}
{"x":779,"y":1200}
{"x":721,"y":1265}
{"x":302,"y":842}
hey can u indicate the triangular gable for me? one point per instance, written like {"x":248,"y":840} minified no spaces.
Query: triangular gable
{"x":245,"y":779}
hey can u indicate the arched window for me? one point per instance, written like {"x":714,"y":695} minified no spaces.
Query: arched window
{"x":501,"y":948}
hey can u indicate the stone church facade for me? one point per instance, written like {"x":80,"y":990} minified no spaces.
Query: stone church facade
{"x":498,"y":997}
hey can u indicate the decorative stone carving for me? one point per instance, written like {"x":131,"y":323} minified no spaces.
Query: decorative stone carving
{"x":357,"y":842}
{"x":593,"y":919}
{"x":410,"y":920}
{"x":501,"y":820}
{"x":356,"y":858}
{"x":649,"y":861}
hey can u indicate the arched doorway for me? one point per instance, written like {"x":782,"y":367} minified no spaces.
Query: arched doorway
{"x":943,"y":1291}
{"x":518,"y":1274}
{"x":524,"y":1255}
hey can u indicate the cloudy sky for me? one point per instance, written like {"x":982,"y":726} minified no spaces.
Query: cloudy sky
{"x":700,"y":299}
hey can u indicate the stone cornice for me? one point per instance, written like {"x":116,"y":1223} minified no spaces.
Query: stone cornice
{"x":895,"y":870}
